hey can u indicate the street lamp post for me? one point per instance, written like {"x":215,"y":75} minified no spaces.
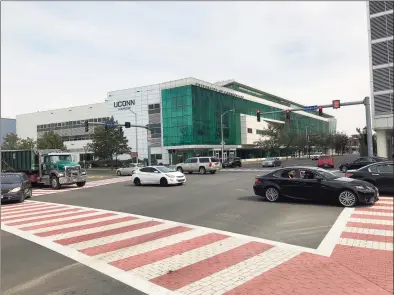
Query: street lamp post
{"x":221,"y":131}
{"x":136,"y":138}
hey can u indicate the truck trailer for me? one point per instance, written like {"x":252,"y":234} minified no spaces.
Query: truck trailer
{"x":48,"y":167}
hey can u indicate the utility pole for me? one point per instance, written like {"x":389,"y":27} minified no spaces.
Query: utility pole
{"x":221,"y":131}
{"x":136,"y":138}
{"x":148,"y":143}
{"x":367,"y":103}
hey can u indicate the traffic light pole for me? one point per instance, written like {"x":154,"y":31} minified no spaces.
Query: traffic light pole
{"x":366,"y":102}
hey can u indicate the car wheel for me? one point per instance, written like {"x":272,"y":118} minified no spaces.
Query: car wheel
{"x":81,"y":184}
{"x":272,"y":194}
{"x":28,"y":193}
{"x":202,"y":170}
{"x":179,"y":169}
{"x":344,"y":169}
{"x":347,"y":198}
{"x":163,"y":182}
{"x":137,"y":182}
{"x":55,"y":182}
{"x":118,"y":173}
{"x":22,"y":199}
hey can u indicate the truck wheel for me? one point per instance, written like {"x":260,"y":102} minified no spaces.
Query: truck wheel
{"x":55,"y":184}
{"x":81,"y":184}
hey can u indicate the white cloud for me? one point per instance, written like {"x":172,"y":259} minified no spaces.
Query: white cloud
{"x":58,"y":54}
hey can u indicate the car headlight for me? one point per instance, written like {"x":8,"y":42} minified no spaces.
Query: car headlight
{"x":60,"y":175}
{"x":364,"y":188}
{"x":14,"y":190}
{"x":170,"y":175}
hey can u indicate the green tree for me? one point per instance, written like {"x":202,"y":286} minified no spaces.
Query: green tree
{"x":108,"y":142}
{"x":270,"y":138}
{"x":51,"y":140}
{"x":11,"y":141}
{"x":14,"y":142}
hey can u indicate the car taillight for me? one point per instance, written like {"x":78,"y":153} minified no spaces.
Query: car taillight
{"x":257,"y":181}
{"x":348,"y":174}
{"x":210,"y":164}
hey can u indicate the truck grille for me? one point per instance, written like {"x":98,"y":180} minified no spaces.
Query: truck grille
{"x":73,"y":171}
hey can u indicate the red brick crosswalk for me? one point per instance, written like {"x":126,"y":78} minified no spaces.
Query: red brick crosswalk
{"x":191,"y":260}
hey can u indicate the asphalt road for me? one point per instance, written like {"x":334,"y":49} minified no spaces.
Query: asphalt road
{"x":222,"y":201}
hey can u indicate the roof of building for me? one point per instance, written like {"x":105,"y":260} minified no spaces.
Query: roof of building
{"x":232,"y":84}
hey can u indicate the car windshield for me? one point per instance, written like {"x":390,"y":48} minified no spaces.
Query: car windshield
{"x":58,"y":158}
{"x":165,"y":169}
{"x":270,"y":159}
{"x":9,"y":179}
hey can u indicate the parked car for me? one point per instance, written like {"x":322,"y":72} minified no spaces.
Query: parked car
{"x":314,"y":184}
{"x":325,"y":161}
{"x":15,"y":187}
{"x":271,"y":162}
{"x":316,"y":156}
{"x":360,"y":162}
{"x":129,"y":169}
{"x":380,"y":174}
{"x":157,"y":175}
{"x":232,"y":162}
{"x":199,"y":164}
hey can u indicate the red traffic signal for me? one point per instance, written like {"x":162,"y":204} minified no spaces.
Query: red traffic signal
{"x":336,"y":104}
{"x":320,"y":110}
{"x":288,"y":114}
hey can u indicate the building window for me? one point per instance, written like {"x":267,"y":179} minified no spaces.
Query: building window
{"x":250,"y":130}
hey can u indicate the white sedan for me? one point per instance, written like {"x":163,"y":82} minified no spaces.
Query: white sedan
{"x":157,"y":175}
{"x":128,"y":170}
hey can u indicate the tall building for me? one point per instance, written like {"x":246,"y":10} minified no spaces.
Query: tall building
{"x":184,"y":118}
{"x":7,"y":126}
{"x":380,"y":31}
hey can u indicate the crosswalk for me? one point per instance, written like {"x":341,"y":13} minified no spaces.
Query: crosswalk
{"x":164,"y":257}
{"x":366,"y":244}
{"x":48,"y":191}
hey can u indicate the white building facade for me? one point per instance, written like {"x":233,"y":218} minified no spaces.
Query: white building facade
{"x":380,"y":32}
{"x":143,"y":106}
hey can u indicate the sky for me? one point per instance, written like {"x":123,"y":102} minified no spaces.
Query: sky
{"x":61,"y":54}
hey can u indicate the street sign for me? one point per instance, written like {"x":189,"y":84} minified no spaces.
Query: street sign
{"x":310,"y":108}
{"x":110,"y":124}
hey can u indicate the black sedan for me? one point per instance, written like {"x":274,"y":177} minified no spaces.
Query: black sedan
{"x":360,"y":162}
{"x":15,"y":187}
{"x":232,"y":162}
{"x":379,"y":174}
{"x":314,"y":184}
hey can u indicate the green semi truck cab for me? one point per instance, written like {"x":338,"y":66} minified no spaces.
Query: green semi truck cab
{"x":48,"y":167}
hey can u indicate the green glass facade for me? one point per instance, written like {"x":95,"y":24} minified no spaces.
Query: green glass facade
{"x":191,"y":116}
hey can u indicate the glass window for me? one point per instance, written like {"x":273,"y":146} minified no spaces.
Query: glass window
{"x":188,"y":161}
{"x":204,"y":160}
{"x":387,"y":168}
{"x":10,"y":178}
{"x":193,"y":160}
{"x":373,"y":169}
{"x":165,"y":169}
{"x":250,"y":130}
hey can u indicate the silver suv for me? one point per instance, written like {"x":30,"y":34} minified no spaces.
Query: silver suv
{"x":199,"y":164}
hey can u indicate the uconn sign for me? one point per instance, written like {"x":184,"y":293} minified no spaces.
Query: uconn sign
{"x":124,"y":104}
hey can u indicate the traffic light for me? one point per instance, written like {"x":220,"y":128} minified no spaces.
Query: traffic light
{"x":127,"y":125}
{"x":86,"y":126}
{"x":121,"y":130}
{"x":287,"y":114}
{"x":258,"y":115}
{"x":320,"y":108}
{"x":336,"y":104}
